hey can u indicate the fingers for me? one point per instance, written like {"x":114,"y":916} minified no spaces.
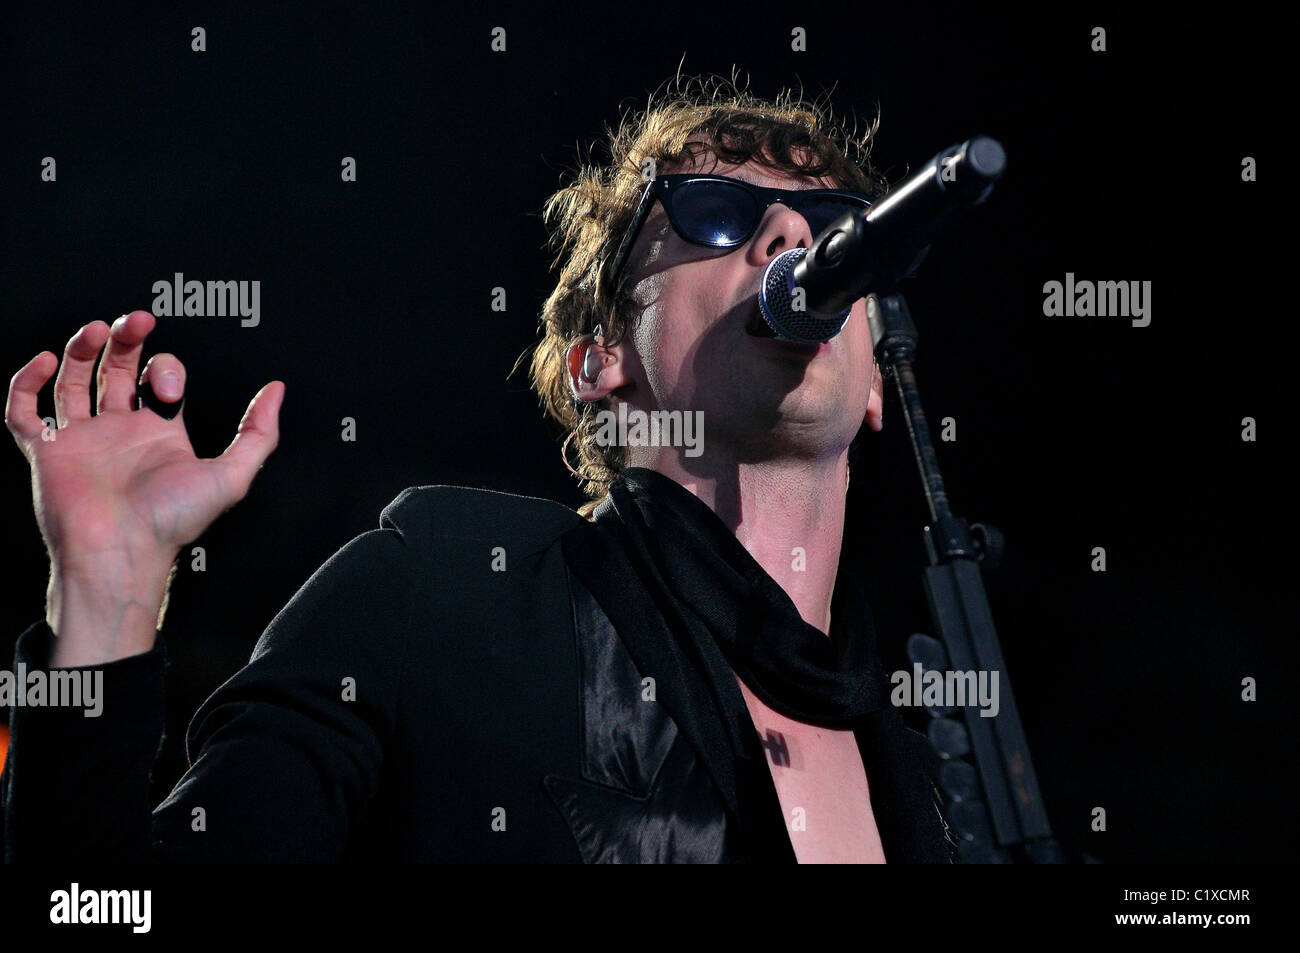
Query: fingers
{"x":166,"y":375}
{"x":115,"y":381}
{"x":72,"y":386}
{"x":20,"y":409}
{"x":258,"y":434}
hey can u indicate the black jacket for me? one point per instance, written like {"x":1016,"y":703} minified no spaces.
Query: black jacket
{"x":416,"y":700}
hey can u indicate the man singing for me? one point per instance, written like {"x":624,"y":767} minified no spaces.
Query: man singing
{"x":678,"y":673}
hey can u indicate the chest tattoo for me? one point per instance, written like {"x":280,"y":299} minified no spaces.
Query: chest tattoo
{"x":778,"y":751}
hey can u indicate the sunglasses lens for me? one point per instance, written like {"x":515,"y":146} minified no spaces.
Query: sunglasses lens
{"x":822,"y":210}
{"x":714,"y":213}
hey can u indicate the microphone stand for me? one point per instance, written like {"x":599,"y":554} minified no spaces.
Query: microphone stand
{"x":994,"y":807}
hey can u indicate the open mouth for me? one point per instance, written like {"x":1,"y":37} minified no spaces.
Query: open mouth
{"x":755,"y":326}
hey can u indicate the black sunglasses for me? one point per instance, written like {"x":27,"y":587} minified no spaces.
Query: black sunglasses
{"x":721,"y":212}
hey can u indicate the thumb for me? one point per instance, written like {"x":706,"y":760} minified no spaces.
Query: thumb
{"x":255,"y":438}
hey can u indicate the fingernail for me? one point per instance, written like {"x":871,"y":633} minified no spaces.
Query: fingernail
{"x":169,"y":384}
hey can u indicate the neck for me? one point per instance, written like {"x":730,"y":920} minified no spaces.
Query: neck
{"x":788,"y":513}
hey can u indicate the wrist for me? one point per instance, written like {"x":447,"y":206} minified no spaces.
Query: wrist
{"x":112,"y":564}
{"x":104,"y":609}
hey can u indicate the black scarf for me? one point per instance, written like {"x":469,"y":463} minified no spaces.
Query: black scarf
{"x":693,"y":605}
{"x":736,"y":613}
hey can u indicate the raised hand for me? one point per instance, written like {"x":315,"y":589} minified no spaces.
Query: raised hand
{"x":117,"y":493}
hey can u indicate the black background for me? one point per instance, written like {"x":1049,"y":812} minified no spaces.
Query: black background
{"x":1072,"y":432}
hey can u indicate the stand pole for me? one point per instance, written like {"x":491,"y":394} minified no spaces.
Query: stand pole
{"x":994,"y":808}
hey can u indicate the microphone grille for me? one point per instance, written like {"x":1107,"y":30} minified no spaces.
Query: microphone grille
{"x":776,"y":303}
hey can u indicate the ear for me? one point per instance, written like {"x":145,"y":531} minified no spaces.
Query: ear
{"x":876,"y":401}
{"x":594,"y":369}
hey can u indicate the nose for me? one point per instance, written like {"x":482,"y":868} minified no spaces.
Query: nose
{"x":781,"y":229}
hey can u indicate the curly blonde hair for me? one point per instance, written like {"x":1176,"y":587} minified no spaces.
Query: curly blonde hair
{"x":588,"y":216}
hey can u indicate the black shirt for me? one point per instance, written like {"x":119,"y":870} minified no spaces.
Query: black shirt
{"x":406,"y":705}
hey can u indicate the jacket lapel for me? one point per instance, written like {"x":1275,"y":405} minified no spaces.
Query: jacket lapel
{"x":642,"y":796}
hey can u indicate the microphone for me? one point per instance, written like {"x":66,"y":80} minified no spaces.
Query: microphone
{"x":806,"y":293}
